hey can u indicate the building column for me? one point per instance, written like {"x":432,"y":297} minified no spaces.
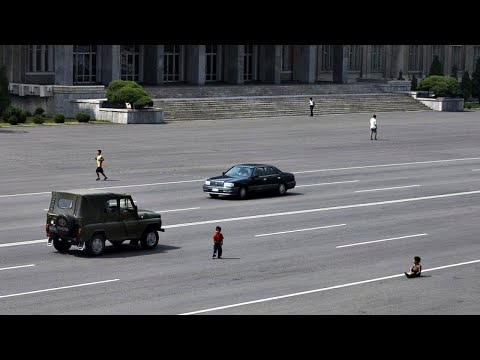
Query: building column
{"x":195,"y":64}
{"x":400,"y":60}
{"x":469,"y":65}
{"x":270,"y":62}
{"x":63,"y":64}
{"x":234,"y":64}
{"x":153,"y":64}
{"x":110,"y":63}
{"x":304,"y":60}
{"x":447,"y":67}
{"x":340,"y":64}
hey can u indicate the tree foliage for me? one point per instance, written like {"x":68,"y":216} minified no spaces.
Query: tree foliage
{"x":436,"y":67}
{"x":441,"y":86}
{"x":4,"y":93}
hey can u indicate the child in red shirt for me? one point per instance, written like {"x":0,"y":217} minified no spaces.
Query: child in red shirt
{"x":217,"y":242}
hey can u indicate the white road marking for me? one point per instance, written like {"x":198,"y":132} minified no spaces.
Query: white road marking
{"x":17,"y":267}
{"x":165,"y":211}
{"x":295,"y":172}
{"x":375,"y":241}
{"x":329,"y":183}
{"x":58,"y":288}
{"x":386,"y":165}
{"x":24,"y":243}
{"x":322,"y":289}
{"x":26,"y":194}
{"x":291,"y":231}
{"x":389,"y":188}
{"x":476,"y":170}
{"x":377,"y":203}
{"x":111,"y":187}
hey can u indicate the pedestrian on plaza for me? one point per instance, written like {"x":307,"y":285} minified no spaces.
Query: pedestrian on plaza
{"x":217,"y":242}
{"x":373,"y":127}
{"x":99,"y":158}
{"x":416,"y":269}
{"x":312,"y":105}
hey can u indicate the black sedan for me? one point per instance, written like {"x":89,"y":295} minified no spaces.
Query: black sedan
{"x":244,"y":179}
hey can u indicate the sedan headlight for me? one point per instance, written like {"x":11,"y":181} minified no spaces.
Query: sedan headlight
{"x":228,"y":184}
{"x":207,"y":182}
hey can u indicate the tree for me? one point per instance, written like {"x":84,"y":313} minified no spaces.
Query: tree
{"x":466,"y":86}
{"x":454,"y":72}
{"x":476,"y":80}
{"x":4,"y":93}
{"x":436,"y":67}
{"x":441,"y":86}
{"x":414,"y":83}
{"x":121,"y":92}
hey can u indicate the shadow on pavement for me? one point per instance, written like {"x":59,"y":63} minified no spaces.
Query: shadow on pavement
{"x":13,"y":131}
{"x":125,"y":251}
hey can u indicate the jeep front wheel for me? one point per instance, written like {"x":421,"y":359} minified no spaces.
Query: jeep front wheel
{"x":61,"y":246}
{"x":95,"y":246}
{"x":149,"y":239}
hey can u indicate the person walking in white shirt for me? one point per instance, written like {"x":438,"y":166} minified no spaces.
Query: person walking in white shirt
{"x":373,"y":127}
{"x":312,"y":105}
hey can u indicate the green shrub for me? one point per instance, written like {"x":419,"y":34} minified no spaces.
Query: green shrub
{"x":400,"y":75}
{"x":441,"y":86}
{"x":39,"y":111}
{"x":468,"y":106}
{"x":39,"y":119}
{"x":59,"y":118}
{"x":17,"y":112}
{"x":476,"y":80}
{"x":121,"y":92}
{"x":28,"y":113}
{"x":436,"y":67}
{"x":414,"y":83}
{"x":12,"y":120}
{"x":82,"y":118}
{"x":454,"y":73}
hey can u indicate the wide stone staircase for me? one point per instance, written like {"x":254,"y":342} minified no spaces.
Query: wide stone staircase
{"x":252,"y":101}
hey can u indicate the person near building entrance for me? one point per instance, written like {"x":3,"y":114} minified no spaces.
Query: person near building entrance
{"x":312,"y":105}
{"x":373,"y":127}
{"x":100,"y":159}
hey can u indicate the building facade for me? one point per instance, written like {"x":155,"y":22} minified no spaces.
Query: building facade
{"x":85,"y":65}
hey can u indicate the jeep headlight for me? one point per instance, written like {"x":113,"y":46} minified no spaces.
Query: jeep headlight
{"x":228,"y":184}
{"x":207,"y":182}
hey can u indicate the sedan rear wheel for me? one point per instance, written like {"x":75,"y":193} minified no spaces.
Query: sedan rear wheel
{"x":282,"y":189}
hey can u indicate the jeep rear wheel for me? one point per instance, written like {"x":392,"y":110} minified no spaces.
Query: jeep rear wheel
{"x":65,"y":224}
{"x":95,"y":246}
{"x":149,"y":239}
{"x":61,"y":246}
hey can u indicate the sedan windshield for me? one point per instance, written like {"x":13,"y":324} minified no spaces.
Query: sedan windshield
{"x":242,"y":171}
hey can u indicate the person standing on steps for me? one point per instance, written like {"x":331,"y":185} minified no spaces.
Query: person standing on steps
{"x":373,"y":127}
{"x":312,"y":105}
{"x":99,"y":158}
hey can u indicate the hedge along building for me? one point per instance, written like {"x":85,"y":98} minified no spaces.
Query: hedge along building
{"x":51,"y":76}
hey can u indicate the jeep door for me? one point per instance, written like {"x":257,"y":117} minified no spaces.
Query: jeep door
{"x":129,"y":217}
{"x":112,"y":223}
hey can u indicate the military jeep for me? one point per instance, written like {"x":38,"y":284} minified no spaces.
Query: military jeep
{"x":87,"y":219}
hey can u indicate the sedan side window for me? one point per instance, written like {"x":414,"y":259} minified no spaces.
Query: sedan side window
{"x":269,"y":170}
{"x":259,"y":172}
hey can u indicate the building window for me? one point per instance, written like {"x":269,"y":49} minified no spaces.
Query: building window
{"x":248,"y":63}
{"x":457,"y":57}
{"x":84,"y":64}
{"x":130,"y":62}
{"x":40,"y":58}
{"x":476,"y":55}
{"x":327,"y":57}
{"x":212,"y":62}
{"x":354,"y":57}
{"x":172,"y":62}
{"x":378,"y":56}
{"x":415,"y":58}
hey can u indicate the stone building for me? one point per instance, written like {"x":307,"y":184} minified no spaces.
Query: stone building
{"x":61,"y":73}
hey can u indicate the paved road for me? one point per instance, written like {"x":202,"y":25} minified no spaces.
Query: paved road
{"x":336,"y":244}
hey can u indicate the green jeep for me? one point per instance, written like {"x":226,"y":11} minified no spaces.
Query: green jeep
{"x":86,"y":218}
